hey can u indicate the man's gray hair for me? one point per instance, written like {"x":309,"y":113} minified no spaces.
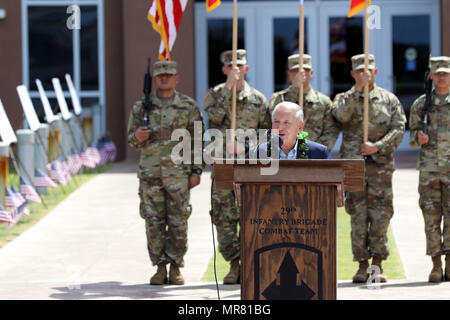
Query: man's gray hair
{"x":291,"y":106}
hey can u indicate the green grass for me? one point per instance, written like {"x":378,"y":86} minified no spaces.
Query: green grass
{"x":346,"y":267}
{"x":51,"y":199}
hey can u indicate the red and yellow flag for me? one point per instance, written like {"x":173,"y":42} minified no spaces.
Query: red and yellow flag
{"x":212,"y":4}
{"x":357,"y":6}
{"x":165,"y":16}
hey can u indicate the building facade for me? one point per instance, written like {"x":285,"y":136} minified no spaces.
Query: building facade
{"x":106,"y":54}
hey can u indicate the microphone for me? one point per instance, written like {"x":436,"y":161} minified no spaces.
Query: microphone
{"x":272,"y":138}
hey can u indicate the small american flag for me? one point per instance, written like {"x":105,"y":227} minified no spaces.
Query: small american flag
{"x":110,"y":149}
{"x":88,"y":158}
{"x":22,"y":207}
{"x":5,"y":216}
{"x":102,"y":151}
{"x":56,"y":174}
{"x":11,"y":200}
{"x":75,"y":163}
{"x":63,"y":167}
{"x":41,"y":180}
{"x":95,"y":153}
{"x":27,"y":190}
{"x":15,"y":217}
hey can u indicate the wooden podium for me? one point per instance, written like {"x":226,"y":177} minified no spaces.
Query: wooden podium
{"x":288,"y":224}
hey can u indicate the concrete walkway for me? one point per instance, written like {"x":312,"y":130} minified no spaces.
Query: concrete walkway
{"x":93,"y":246}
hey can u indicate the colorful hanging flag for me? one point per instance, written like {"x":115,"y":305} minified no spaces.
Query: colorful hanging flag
{"x":27,"y":190}
{"x":22,"y":208}
{"x":212,"y":4}
{"x":41,"y":180}
{"x":165,"y":16}
{"x":357,"y":6}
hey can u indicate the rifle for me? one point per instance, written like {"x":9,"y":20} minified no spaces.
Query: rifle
{"x":147,"y":90}
{"x":428,"y":86}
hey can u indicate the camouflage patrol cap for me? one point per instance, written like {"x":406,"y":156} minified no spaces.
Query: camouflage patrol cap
{"x":293,"y":61}
{"x":227,"y":57}
{"x":358,"y":62}
{"x":440,"y":64}
{"x":164,"y":67}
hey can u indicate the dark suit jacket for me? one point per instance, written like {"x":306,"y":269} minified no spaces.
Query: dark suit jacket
{"x":315,"y":151}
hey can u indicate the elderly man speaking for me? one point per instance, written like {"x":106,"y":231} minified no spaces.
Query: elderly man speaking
{"x":287,"y":122}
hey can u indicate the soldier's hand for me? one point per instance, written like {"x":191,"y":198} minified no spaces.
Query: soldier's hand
{"x":299,"y":78}
{"x":368,"y":148}
{"x":361,"y":79}
{"x":142,"y":134}
{"x":233,"y":77}
{"x":194,"y":180}
{"x":235,"y":148}
{"x":422,"y":138}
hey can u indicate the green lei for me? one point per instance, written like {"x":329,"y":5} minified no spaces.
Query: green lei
{"x":302,"y":147}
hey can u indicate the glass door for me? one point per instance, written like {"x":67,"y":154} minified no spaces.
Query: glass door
{"x":279,"y":39}
{"x":52,"y":49}
{"x":413,"y":35}
{"x":213,"y":32}
{"x":340,"y":39}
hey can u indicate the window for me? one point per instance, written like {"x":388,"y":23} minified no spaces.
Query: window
{"x":52,"y":49}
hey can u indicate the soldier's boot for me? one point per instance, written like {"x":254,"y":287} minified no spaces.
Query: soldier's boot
{"x":361,"y":275}
{"x":175,"y":276}
{"x":379,"y":277}
{"x":160,"y":277}
{"x":436,"y":274}
{"x":233,"y":277}
{"x":447,"y":267}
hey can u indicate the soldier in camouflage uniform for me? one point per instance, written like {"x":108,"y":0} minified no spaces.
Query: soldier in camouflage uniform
{"x":319,"y":123}
{"x":434,"y":165}
{"x":163,"y":184}
{"x":371,"y":209}
{"x":251,"y":113}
